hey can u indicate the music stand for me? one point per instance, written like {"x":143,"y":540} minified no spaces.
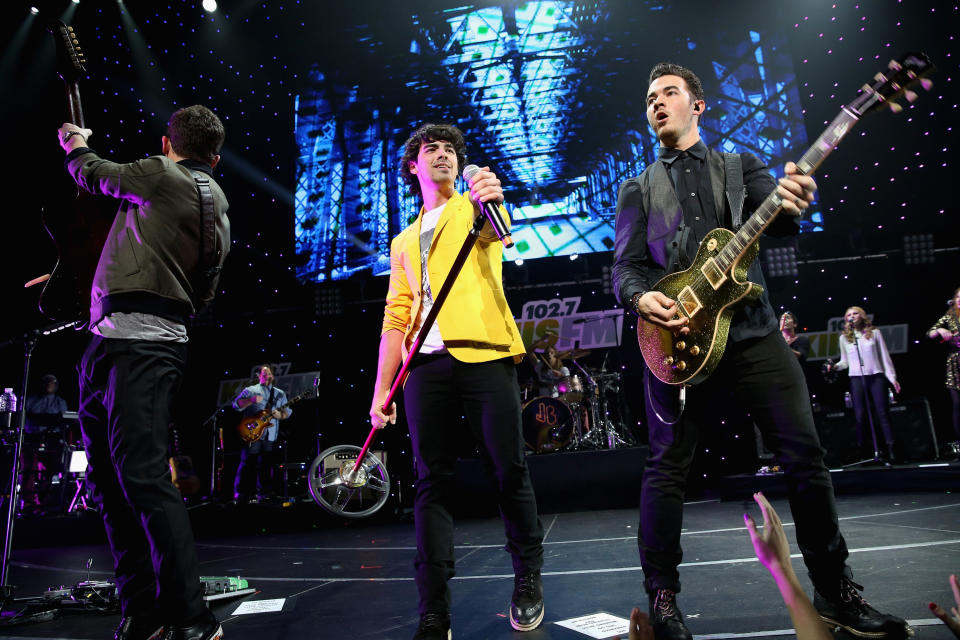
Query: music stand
{"x":78,"y":466}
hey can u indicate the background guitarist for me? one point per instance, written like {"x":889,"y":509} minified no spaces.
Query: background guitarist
{"x":252,"y":400}
{"x":661,"y":217}
{"x":159,"y":266}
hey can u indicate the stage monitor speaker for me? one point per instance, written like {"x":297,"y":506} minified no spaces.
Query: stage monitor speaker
{"x":912,"y":430}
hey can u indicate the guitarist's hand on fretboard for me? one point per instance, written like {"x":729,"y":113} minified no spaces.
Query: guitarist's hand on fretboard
{"x":796,"y":190}
{"x":658,"y":309}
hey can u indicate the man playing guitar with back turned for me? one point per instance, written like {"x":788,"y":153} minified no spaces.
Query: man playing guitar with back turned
{"x":661,"y":217}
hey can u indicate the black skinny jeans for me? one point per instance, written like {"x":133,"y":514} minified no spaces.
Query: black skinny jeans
{"x":871,"y":407}
{"x":438,"y":391}
{"x":766,"y":381}
{"x":126,"y":390}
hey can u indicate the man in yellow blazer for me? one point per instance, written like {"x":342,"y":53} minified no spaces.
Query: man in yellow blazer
{"x":465,"y":367}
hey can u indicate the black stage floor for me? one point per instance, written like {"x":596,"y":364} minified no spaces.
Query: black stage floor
{"x":355,"y":581}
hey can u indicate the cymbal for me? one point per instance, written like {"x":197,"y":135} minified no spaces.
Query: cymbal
{"x":573,"y":354}
{"x":545,"y":339}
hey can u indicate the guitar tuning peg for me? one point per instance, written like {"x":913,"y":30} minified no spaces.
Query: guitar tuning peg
{"x":893,"y":64}
{"x":880,"y":77}
{"x":70,"y":29}
{"x":926,"y":83}
{"x":866,"y":88}
{"x":910,"y":95}
{"x":896,"y":108}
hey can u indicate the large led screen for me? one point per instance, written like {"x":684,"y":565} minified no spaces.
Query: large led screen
{"x":550,"y":95}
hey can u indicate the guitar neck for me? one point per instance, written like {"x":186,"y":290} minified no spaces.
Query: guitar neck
{"x":296,"y":398}
{"x":767,"y":212}
{"x":74,"y":108}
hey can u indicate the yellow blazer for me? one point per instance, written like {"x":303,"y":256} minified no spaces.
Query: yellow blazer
{"x":475,"y":321}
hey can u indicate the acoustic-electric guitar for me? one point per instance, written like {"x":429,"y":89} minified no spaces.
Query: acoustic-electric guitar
{"x":709,"y":291}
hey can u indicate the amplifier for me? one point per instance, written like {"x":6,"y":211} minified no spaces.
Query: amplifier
{"x":912,"y":429}
{"x":337,"y":457}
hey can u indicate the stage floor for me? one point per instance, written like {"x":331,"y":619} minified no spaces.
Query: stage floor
{"x":356,"y":581}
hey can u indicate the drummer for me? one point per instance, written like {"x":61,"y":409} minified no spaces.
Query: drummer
{"x":549,"y":370}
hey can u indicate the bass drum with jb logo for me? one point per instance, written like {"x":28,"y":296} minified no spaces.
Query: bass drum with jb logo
{"x":548,"y":424}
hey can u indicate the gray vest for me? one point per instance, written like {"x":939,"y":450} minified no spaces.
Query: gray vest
{"x":665,"y":216}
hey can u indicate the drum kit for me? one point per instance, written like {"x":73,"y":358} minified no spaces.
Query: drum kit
{"x":579,"y":415}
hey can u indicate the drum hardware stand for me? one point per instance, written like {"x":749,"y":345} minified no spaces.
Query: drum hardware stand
{"x":578,"y":435}
{"x":613,"y":436}
{"x":368,"y":471}
{"x":29,"y":341}
{"x":79,"y":500}
{"x":606,"y":433}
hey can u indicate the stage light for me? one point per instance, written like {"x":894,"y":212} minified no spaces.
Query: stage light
{"x":518,"y":262}
{"x":209,"y":5}
{"x":918,"y":249}
{"x":574,"y":256}
{"x":34,"y":10}
{"x":328,"y":301}
{"x":782,"y":261}
{"x":606,"y":280}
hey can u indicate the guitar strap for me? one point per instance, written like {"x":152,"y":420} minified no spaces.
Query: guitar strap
{"x":209,"y":253}
{"x":270,"y":399}
{"x":736,"y":191}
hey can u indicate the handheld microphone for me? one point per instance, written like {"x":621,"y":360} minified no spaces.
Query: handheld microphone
{"x":491,"y":210}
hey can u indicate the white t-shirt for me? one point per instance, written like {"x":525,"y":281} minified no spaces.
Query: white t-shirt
{"x":873,"y":352}
{"x":433,"y":343}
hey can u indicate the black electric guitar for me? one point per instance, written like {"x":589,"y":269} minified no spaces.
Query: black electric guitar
{"x":252,"y":427}
{"x":707,"y":293}
{"x":78,"y":228}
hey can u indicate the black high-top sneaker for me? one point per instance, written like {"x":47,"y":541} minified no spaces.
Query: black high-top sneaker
{"x":526,"y":606}
{"x":665,"y":617}
{"x":434,"y":626}
{"x":847,"y":609}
